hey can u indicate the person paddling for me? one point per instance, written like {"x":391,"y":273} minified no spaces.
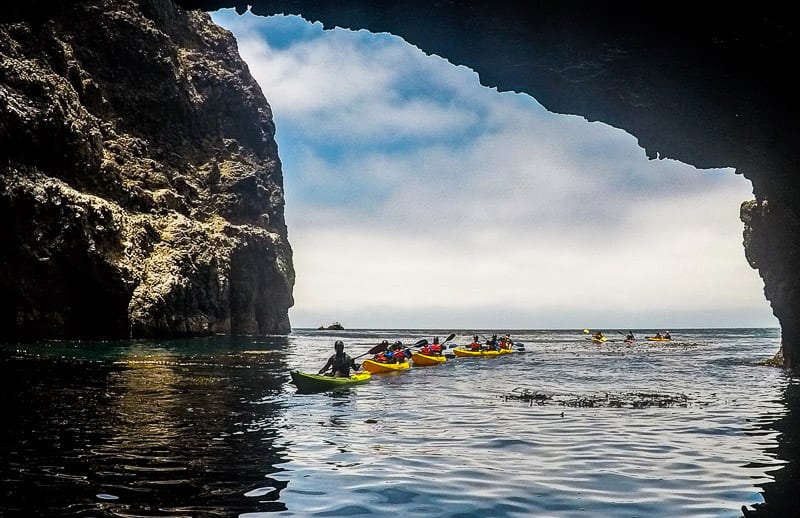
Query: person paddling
{"x":476,"y":344}
{"x":398,"y":352}
{"x":340,"y":362}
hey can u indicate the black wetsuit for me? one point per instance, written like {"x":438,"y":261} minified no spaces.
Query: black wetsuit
{"x":340,"y":362}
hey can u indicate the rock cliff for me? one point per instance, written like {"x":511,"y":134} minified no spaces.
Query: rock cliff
{"x":141,"y":190}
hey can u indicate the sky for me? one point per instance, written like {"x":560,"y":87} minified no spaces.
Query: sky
{"x":417,"y":198}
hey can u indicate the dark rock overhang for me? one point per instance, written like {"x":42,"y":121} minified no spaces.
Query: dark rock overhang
{"x":700,"y":84}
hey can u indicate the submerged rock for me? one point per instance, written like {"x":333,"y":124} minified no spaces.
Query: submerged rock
{"x":141,"y":189}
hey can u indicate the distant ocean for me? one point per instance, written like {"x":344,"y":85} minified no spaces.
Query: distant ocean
{"x":566,"y":428}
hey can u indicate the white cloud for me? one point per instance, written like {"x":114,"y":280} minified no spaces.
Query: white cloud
{"x":417,"y":198}
{"x":332,"y":89}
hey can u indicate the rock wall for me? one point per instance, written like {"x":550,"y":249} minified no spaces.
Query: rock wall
{"x":707,"y":85}
{"x":141,"y":190}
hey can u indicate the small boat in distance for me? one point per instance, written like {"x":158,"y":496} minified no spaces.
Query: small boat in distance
{"x":336,"y":326}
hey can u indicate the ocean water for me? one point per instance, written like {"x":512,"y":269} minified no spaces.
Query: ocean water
{"x":696,"y":427}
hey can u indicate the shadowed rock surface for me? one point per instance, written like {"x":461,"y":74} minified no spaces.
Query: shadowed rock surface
{"x":141,"y":190}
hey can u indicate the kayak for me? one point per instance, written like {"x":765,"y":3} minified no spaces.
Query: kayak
{"x":658,"y":339}
{"x":307,"y":382}
{"x":425,"y":360}
{"x":376,"y":367}
{"x":466,"y":353}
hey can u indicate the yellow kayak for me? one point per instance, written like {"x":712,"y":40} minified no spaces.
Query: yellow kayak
{"x":376,"y":367}
{"x":467,"y":353}
{"x":658,"y":339}
{"x":425,"y":360}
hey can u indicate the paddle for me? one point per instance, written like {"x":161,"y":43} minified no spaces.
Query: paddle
{"x":375,"y":350}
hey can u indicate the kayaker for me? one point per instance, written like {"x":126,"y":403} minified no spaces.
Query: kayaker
{"x":658,"y":335}
{"x":505,"y":342}
{"x":340,"y":362}
{"x":598,"y":335}
{"x":667,"y":336}
{"x":476,"y":344}
{"x":398,"y":352}
{"x":436,"y":349}
{"x":630,"y":336}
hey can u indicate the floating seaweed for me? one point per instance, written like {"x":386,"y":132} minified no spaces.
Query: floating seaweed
{"x":528,"y":396}
{"x":606,"y":400}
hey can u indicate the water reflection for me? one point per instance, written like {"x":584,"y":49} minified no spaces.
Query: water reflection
{"x":143,"y":428}
{"x":780,"y":494}
{"x":212,"y":427}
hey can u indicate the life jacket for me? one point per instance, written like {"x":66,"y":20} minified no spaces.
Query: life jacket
{"x":436,"y":349}
{"x":475,"y":346}
{"x":425,"y":350}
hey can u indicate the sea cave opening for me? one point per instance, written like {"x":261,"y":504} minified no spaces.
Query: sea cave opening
{"x":418,"y":197}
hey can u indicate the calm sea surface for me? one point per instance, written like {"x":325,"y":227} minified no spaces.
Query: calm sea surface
{"x":212,"y":427}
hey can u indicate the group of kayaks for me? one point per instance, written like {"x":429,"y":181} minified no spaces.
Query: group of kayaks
{"x":307,"y":382}
{"x":599,"y":338}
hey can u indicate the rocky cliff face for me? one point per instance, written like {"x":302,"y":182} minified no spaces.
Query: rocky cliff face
{"x":141,"y":192}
